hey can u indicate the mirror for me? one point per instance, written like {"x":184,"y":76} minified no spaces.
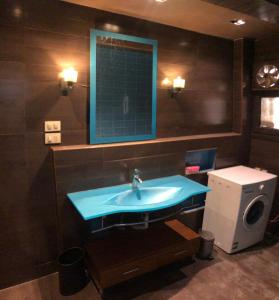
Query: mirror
{"x":123,"y":75}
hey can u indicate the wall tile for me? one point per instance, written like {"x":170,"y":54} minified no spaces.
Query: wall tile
{"x":73,"y":157}
{"x":12,"y":151}
{"x":12,"y":42}
{"x":45,"y":102}
{"x":12,"y":112}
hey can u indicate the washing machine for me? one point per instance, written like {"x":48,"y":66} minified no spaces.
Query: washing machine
{"x":238,"y":207}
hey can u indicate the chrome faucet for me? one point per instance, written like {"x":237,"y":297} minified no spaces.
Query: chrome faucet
{"x":136,"y":180}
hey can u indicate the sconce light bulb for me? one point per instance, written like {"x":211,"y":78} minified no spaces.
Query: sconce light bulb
{"x":166,"y":82}
{"x":70,"y":75}
{"x":179,"y":83}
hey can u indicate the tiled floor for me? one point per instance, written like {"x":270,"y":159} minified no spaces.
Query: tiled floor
{"x":249,"y":275}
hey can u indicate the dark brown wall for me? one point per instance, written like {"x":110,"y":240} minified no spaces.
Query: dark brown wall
{"x":38,"y":38}
{"x":265,"y":143}
{"x":242,"y":96}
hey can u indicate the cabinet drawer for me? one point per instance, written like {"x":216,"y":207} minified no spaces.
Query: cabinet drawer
{"x":173,"y":254}
{"x":127,"y":271}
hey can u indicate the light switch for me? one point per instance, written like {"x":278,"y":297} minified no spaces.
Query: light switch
{"x":53,"y":138}
{"x":52,"y":126}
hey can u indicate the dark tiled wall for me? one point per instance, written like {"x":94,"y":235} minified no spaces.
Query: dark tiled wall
{"x":242,"y":91}
{"x":38,"y":38}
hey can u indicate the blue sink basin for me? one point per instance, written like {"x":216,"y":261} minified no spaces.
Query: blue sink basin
{"x":152,"y":195}
{"x":145,"y":196}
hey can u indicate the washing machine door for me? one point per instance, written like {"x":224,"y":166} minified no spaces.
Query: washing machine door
{"x":256,"y":212}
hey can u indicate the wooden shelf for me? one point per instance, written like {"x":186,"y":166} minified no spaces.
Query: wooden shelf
{"x":158,"y":140}
{"x":125,"y":254}
{"x":265,"y":90}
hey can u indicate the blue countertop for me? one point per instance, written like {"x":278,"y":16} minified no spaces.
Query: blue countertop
{"x":96,"y":203}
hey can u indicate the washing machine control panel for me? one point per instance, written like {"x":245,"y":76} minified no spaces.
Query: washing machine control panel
{"x":249,"y":189}
{"x":261,"y":187}
{"x":255,"y":188}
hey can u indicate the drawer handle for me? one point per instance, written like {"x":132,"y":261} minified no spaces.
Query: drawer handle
{"x":130,"y":271}
{"x":180,"y":252}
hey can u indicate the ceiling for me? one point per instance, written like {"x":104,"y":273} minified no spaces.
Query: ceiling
{"x":208,"y":16}
{"x":266,"y":10}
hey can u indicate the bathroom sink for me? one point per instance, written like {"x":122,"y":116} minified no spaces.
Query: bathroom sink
{"x":151,"y":195}
{"x":145,"y":196}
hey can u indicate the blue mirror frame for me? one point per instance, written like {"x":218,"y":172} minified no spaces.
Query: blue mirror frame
{"x":94,"y":34}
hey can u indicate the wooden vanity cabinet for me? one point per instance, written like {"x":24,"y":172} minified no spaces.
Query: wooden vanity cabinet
{"x":125,"y":254}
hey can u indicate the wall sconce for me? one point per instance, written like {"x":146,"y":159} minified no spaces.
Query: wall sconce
{"x":166,"y":82}
{"x":177,"y":86}
{"x":68,"y":79}
{"x":174,"y":87}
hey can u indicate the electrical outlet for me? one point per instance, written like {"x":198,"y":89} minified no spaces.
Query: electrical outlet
{"x":53,"y":138}
{"x":52,"y":126}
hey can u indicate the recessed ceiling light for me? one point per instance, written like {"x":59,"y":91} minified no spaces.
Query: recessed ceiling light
{"x":161,"y":1}
{"x":111,"y":27}
{"x":238,"y":22}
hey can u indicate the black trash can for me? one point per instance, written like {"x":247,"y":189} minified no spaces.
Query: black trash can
{"x":72,"y":273}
